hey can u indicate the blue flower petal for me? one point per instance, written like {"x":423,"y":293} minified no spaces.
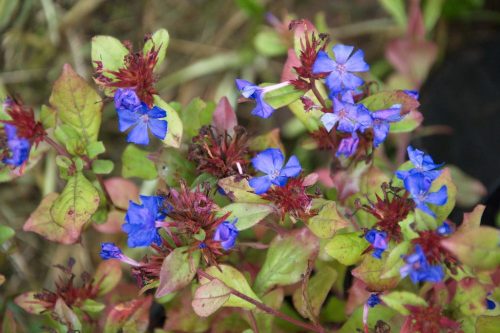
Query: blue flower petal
{"x":292,"y":168}
{"x":156,"y":112}
{"x":351,"y":81}
{"x":261,"y":184}
{"x":438,"y":198}
{"x":139,"y":134}
{"x":342,"y":53}
{"x":158,"y":128}
{"x":269,"y":160}
{"x":356,"y":63}
{"x":323,"y":63}
{"x":262,"y":109}
{"x":329,"y":120}
{"x":126,"y":119}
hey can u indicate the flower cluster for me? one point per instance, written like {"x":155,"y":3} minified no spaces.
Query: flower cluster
{"x":19,"y":133}
{"x":132,"y":113}
{"x":418,"y":268}
{"x":418,"y":181}
{"x":346,"y":116}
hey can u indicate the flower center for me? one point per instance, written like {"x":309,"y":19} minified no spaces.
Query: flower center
{"x":341,"y":69}
{"x":274,"y":174}
{"x":145,"y":118}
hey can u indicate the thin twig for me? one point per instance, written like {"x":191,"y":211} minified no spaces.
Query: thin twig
{"x":263,"y":307}
{"x":253,"y":322}
{"x":318,"y":94}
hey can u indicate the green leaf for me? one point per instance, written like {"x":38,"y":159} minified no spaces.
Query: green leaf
{"x":442,"y":212}
{"x":317,"y":290}
{"x":102,"y":167}
{"x":6,"y":233}
{"x":282,"y":96}
{"x":48,"y":116}
{"x":196,"y":114}
{"x":110,"y":51}
{"x":379,"y":313}
{"x":347,"y":248}
{"x":238,"y":190}
{"x":409,"y":123}
{"x":210,"y":297}
{"x":386,"y":99}
{"x":310,"y":119}
{"x":398,"y":299}
{"x":95,"y":148}
{"x":131,"y":316}
{"x":77,"y":104}
{"x":273,"y":299}
{"x":175,"y":129}
{"x":159,"y":40}
{"x":248,"y":214}
{"x":370,"y":272}
{"x":232,"y":278}
{"x":470,"y":191}
{"x":137,"y":164}
{"x":269,"y":43}
{"x":327,"y":222}
{"x":470,"y":297}
{"x":177,"y":271}
{"x":286,"y":260}
{"x":29,"y":303}
{"x":487,"y":324}
{"x":395,"y":259}
{"x":431,"y":12}
{"x":173,"y":166}
{"x":397,"y":9}
{"x":477,"y":248}
{"x":91,"y":306}
{"x":74,"y":207}
{"x":67,"y":316}
{"x":107,"y":276}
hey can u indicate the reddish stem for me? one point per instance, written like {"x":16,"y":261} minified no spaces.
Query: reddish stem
{"x":317,"y":93}
{"x":263,"y":307}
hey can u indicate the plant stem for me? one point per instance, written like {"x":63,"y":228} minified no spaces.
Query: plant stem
{"x":253,"y":321}
{"x":263,"y":307}
{"x":318,"y":94}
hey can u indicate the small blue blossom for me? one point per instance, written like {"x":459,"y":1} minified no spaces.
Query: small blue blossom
{"x":350,"y":117}
{"x":226,"y":233}
{"x":19,"y":148}
{"x":141,"y":119}
{"x":270,"y":162}
{"x":252,"y":91}
{"x":378,"y":239}
{"x":419,"y":269}
{"x":110,"y":251}
{"x":140,"y":221}
{"x":381,"y":122}
{"x":419,"y":185}
{"x":423,"y":164}
{"x":348,"y":146}
{"x":373,"y":300}
{"x":490,"y":305}
{"x":126,"y":99}
{"x":444,"y":229}
{"x":341,"y":77}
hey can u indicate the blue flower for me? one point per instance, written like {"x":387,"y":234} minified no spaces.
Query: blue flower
{"x":419,"y":185}
{"x":381,"y":122}
{"x":270,"y":161}
{"x":226,"y":233}
{"x":340,"y":70}
{"x":19,"y":147}
{"x":422,"y":163}
{"x":252,"y":91}
{"x":141,"y":119}
{"x":412,"y":93}
{"x":378,"y":239}
{"x":348,"y":146}
{"x":110,"y":251}
{"x":490,"y":305}
{"x":444,"y":229}
{"x":419,"y":269}
{"x":350,"y":117}
{"x":373,"y":300}
{"x":140,"y":221}
{"x":126,"y":99}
